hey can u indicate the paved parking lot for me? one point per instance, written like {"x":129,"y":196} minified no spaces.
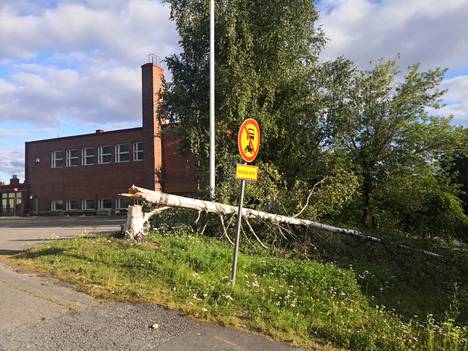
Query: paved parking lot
{"x":20,"y":233}
{"x":27,"y":298}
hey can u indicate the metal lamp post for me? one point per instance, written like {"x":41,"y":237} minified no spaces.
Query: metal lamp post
{"x":212,"y":100}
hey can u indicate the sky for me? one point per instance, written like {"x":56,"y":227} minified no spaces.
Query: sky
{"x":72,"y":66}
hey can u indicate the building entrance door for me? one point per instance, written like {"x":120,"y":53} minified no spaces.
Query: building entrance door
{"x":10,"y":204}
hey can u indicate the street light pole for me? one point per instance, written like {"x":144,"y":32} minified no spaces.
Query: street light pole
{"x":212,"y":99}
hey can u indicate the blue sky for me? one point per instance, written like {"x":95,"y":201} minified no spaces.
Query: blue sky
{"x":73,"y":66}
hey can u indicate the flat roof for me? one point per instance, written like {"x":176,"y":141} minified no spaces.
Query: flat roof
{"x":83,"y":135}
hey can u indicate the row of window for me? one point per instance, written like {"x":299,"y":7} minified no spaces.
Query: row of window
{"x":88,"y":205}
{"x":11,"y":195}
{"x":9,"y":201}
{"x":71,"y":158}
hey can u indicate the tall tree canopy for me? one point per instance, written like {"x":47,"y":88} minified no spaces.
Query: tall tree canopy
{"x":389,"y":127}
{"x":369,"y":131}
{"x":264,"y":52}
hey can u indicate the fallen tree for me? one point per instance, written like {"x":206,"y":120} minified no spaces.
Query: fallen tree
{"x":136,"y":218}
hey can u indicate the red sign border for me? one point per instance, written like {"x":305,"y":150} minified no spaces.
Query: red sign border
{"x":243,"y":125}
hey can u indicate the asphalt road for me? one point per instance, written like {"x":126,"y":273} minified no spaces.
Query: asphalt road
{"x":20,"y":233}
{"x":40,"y":313}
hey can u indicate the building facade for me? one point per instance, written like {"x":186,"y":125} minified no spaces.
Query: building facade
{"x":85,"y":173}
{"x":13,"y":196}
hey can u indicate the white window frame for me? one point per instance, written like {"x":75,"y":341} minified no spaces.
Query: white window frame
{"x":68,"y":207}
{"x":101,"y":202}
{"x":84,"y":205}
{"x":136,"y":151}
{"x":100,"y":154}
{"x":118,"y":204}
{"x":53,"y":205}
{"x":118,"y":153}
{"x":54,"y":159}
{"x":69,"y":157}
{"x":84,"y":156}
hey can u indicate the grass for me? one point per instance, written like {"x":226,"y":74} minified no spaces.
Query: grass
{"x":410,"y":283}
{"x":307,"y":303}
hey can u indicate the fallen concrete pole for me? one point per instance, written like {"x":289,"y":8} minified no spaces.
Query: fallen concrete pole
{"x":170,"y":200}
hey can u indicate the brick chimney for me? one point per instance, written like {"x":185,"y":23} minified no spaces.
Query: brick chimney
{"x":151,"y":79}
{"x":14,"y":180}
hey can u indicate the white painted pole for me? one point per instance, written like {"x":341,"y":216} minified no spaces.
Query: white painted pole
{"x":212,"y":99}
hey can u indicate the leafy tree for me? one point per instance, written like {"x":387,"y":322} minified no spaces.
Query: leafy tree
{"x":389,"y":128}
{"x":421,"y":204}
{"x":458,"y":169}
{"x":461,"y":166}
{"x":265,"y":50}
{"x":319,"y":120}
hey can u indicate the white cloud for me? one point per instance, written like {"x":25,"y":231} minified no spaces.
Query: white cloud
{"x":11,"y":162}
{"x":125,"y":31}
{"x":11,"y":133}
{"x":93,"y":49}
{"x":429,"y":31}
{"x":6,"y":87}
{"x":40,"y":95}
{"x":457,"y":98}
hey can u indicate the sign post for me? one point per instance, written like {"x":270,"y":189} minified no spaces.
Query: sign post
{"x":248,"y":142}
{"x":238,"y":228}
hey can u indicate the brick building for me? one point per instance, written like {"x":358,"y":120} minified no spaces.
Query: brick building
{"x":84,"y":173}
{"x":12,"y":197}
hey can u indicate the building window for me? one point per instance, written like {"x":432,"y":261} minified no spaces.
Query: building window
{"x":4,"y":204}
{"x":105,"y":154}
{"x":8,"y":203}
{"x":104,"y":203}
{"x":72,"y":205}
{"x":57,"y":159}
{"x":56,"y":205}
{"x":73,"y":158}
{"x":122,"y":153}
{"x":88,"y":205}
{"x":138,"y":151}
{"x":89,"y":156}
{"x":122,"y":203}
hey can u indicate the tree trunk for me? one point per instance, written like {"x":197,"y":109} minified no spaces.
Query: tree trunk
{"x":169,"y":200}
{"x":367,"y":215}
{"x":134,"y":228}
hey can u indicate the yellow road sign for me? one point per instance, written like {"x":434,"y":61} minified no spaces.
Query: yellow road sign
{"x":248,"y":139}
{"x":246,"y":172}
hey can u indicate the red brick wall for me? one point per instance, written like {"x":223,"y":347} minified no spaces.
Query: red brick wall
{"x":164,"y":166}
{"x":81,"y":182}
{"x":172,"y":171}
{"x":178,"y":169}
{"x":151,"y":85}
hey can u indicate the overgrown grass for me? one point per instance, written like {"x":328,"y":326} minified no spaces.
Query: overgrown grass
{"x":300,"y":301}
{"x":408,"y":282}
